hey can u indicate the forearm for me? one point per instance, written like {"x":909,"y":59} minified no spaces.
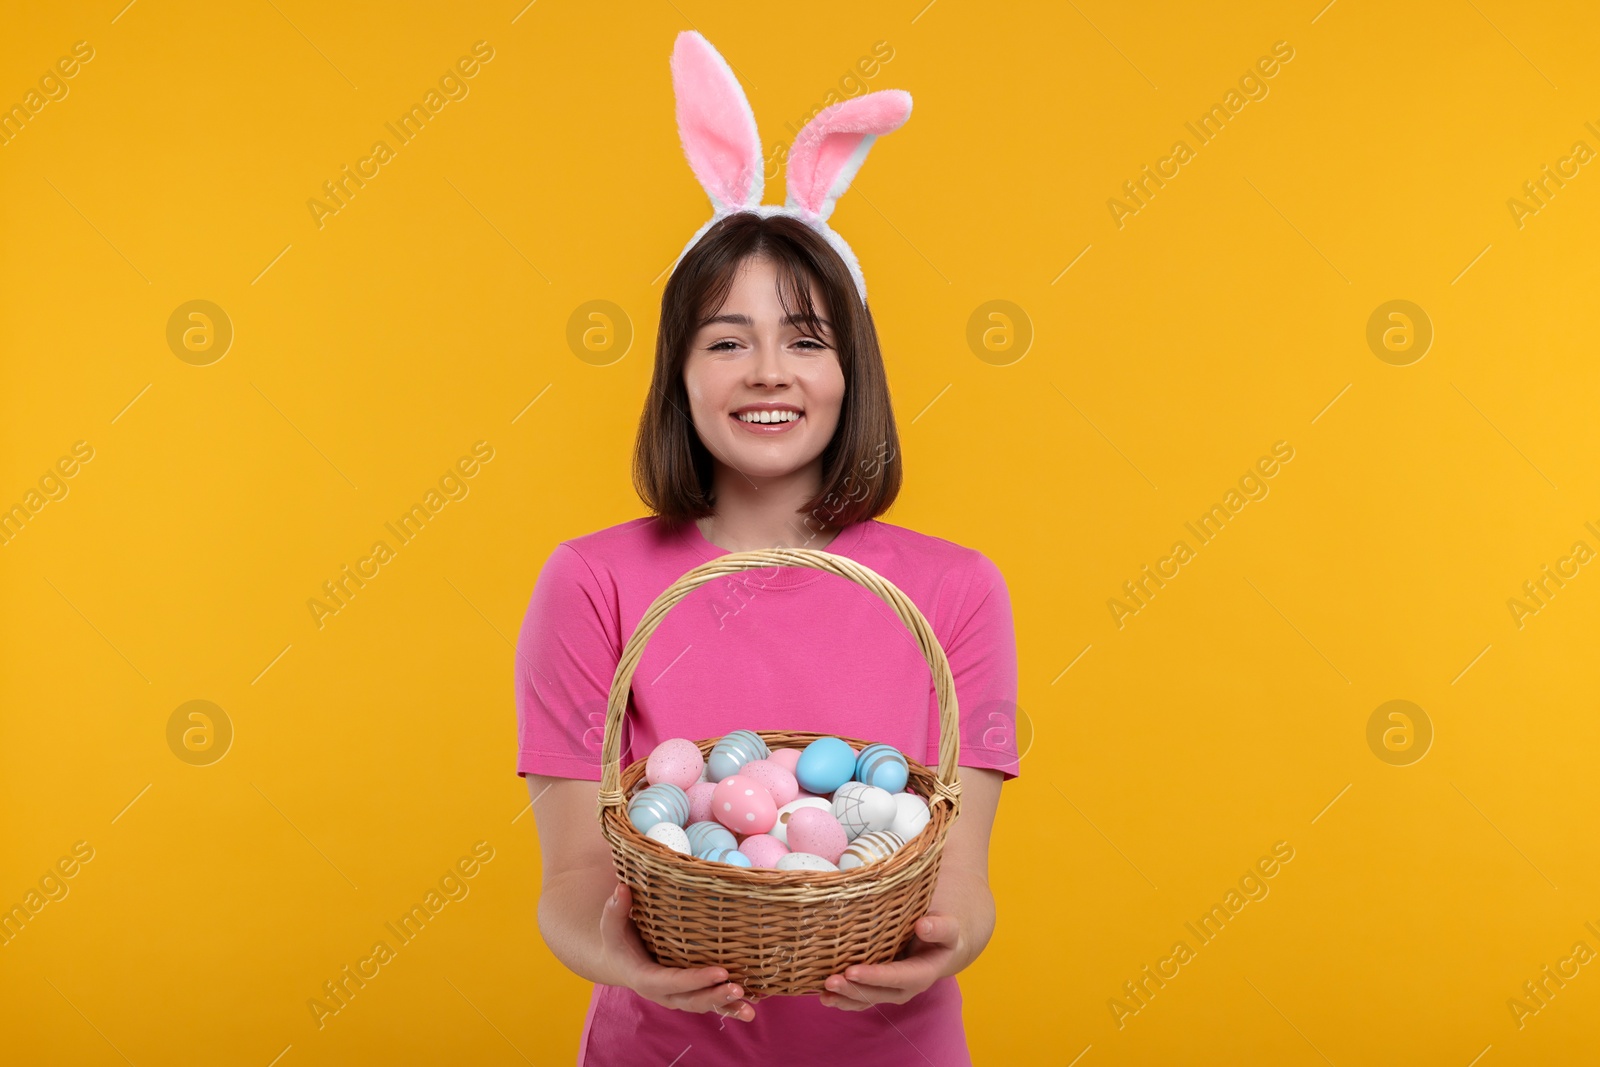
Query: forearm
{"x":569,"y":920}
{"x":966,"y":895}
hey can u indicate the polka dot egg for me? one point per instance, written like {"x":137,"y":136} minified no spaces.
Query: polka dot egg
{"x":742,"y":804}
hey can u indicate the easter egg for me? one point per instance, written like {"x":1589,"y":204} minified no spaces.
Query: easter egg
{"x":727,"y":855}
{"x":700,"y":801}
{"x":815,"y":830}
{"x":704,"y":836}
{"x":733,"y":752}
{"x":825,"y":765}
{"x":785,"y":758}
{"x":764,"y":850}
{"x":671,"y":835}
{"x":778,"y":780}
{"x":743,"y":805}
{"x":677,"y":761}
{"x":860,"y":807}
{"x":873,"y":847}
{"x":780,"y":826}
{"x":658,"y":803}
{"x":804,"y":861}
{"x":910,"y":815}
{"x":882,"y":766}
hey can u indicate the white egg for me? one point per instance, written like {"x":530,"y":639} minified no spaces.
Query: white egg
{"x":803,"y":861}
{"x":673,"y":836}
{"x":873,"y":847}
{"x":910,"y":815}
{"x":861,"y":808}
{"x":780,"y":829}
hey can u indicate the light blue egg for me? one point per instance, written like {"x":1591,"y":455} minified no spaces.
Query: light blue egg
{"x":731,"y":856}
{"x":733,"y":752}
{"x":883,"y":766}
{"x":663,"y":802}
{"x":707,"y":835}
{"x":825,"y":765}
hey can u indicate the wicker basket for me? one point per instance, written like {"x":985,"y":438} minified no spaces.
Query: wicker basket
{"x":778,"y":933}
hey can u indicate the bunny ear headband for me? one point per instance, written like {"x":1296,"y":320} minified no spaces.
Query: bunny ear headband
{"x":720,"y":139}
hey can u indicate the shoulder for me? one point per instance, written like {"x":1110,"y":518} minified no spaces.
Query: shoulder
{"x":613,"y":547}
{"x":917,"y":552}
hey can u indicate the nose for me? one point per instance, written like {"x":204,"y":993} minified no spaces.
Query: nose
{"x":769,"y":368}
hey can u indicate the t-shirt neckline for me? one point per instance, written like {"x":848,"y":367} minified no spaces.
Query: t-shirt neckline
{"x":787,"y":577}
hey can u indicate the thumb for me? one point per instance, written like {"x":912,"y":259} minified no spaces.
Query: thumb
{"x":938,"y":929}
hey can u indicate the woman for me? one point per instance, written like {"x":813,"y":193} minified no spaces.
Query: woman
{"x":761,"y":321}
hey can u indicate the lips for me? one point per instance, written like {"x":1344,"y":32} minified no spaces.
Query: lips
{"x":766,"y":429}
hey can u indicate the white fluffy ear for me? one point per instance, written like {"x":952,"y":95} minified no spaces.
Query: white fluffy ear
{"x":716,"y":125}
{"x":831,"y":148}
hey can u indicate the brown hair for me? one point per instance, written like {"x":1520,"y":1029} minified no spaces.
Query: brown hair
{"x":672,"y":468}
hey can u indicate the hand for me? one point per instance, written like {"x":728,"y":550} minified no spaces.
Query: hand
{"x":694,"y":989}
{"x":936,"y":946}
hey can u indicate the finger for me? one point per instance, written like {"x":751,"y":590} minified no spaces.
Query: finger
{"x":939,"y":929}
{"x":684,"y":982}
{"x":856,"y":996}
{"x":914,"y":972}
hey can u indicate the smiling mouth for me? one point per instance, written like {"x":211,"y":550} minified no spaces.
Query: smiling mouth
{"x":782,"y":421}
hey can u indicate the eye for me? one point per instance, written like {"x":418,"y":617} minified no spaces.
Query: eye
{"x":718,"y":346}
{"x":809,"y":343}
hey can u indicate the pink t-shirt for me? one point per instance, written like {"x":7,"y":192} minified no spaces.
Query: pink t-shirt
{"x":783,"y":648}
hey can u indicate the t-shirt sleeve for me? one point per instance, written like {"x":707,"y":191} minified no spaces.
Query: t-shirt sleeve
{"x":983,"y":661}
{"x":567,"y":654}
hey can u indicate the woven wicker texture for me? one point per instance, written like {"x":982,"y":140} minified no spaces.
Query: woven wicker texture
{"x":778,"y":933}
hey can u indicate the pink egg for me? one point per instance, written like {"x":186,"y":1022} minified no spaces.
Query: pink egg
{"x":763,"y":849}
{"x":700,"y":801}
{"x":744,"y":806}
{"x":817,"y":832}
{"x":677,"y":761}
{"x":778,"y":781}
{"x":787,"y":758}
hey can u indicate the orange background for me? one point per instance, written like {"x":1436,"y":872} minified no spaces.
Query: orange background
{"x":371,"y":754}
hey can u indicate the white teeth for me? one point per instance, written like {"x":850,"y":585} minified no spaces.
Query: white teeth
{"x":768,"y":416}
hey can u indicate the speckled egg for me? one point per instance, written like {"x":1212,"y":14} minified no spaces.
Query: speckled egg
{"x":727,"y":855}
{"x":804,"y":861}
{"x":704,"y":836}
{"x":825,"y":765}
{"x":860,"y":807}
{"x":777,"y":779}
{"x":815,"y":830}
{"x":910,"y":815}
{"x":786,"y":758}
{"x":700,"y":801}
{"x":658,"y":803}
{"x":883,"y":766}
{"x":733,"y":752}
{"x":671,"y":835}
{"x":874,"y":847}
{"x":764,"y":850}
{"x":677,"y":761}
{"x":743,"y":805}
{"x":780,"y":827}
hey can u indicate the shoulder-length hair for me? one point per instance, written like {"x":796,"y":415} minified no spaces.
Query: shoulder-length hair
{"x":672,"y":469}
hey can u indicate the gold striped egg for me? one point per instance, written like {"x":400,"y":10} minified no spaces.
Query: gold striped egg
{"x":875,"y":846}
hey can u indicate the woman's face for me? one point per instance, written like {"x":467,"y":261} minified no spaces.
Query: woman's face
{"x":749,"y":360}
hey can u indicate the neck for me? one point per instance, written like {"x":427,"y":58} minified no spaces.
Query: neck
{"x":757,"y":513}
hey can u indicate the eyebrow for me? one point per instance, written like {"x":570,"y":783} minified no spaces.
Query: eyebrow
{"x":745,"y":320}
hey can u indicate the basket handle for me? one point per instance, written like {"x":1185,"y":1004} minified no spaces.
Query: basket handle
{"x":946,"y":786}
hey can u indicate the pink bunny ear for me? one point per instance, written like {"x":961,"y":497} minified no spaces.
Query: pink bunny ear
{"x":716,"y":125}
{"x":832,"y":147}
